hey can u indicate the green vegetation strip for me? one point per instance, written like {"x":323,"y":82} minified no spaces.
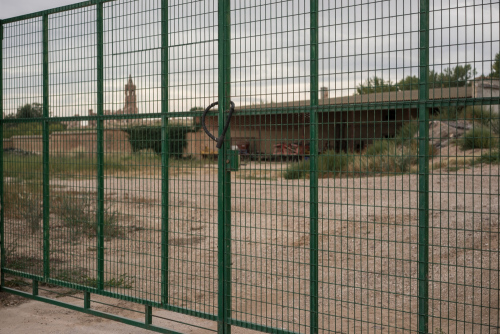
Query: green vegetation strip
{"x":81,"y":164}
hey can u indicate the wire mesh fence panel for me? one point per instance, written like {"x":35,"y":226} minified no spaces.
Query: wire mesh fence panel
{"x":464,"y":179}
{"x":192,"y":179}
{"x":132,"y":194}
{"x":72,"y":151}
{"x":279,"y":166}
{"x":22,"y":137}
{"x":269,"y":213}
{"x":368,"y":169}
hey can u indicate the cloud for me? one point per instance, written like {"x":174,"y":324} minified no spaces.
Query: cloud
{"x":21,"y":7}
{"x":270,"y":50}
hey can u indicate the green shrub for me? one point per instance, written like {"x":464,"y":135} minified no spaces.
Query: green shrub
{"x":492,"y":157}
{"x":478,"y":137}
{"x":297,"y":170}
{"x":332,"y":163}
{"x":451,"y":113}
{"x":149,"y":137}
{"x":329,"y":164}
{"x":407,"y":132}
{"x":31,"y":210}
{"x":404,"y":162}
{"x":392,"y":158}
{"x":79,"y":275}
{"x":79,"y":215}
{"x":29,"y":129}
{"x":379,"y":147}
{"x":405,"y":135}
{"x":484,"y":116}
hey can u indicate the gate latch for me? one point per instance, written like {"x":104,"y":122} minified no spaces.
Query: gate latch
{"x":233,"y":160}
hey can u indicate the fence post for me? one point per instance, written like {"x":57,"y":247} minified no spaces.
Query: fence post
{"x":100,"y":150}
{"x":423,"y":172}
{"x":2,"y":202}
{"x":45,"y":140}
{"x":313,"y":202}
{"x":164,"y":152}
{"x":224,"y":176}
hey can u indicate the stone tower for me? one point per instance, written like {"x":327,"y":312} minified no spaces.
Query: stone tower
{"x":324,"y":93}
{"x":130,"y":106}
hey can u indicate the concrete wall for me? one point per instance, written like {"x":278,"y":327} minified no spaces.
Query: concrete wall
{"x":71,"y":142}
{"x":27,"y":143}
{"x":8,"y":144}
{"x":488,"y":88}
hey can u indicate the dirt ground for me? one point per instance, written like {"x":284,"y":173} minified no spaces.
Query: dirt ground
{"x":367,"y":245}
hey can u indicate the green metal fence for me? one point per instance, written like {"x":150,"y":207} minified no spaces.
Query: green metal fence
{"x":357,"y":189}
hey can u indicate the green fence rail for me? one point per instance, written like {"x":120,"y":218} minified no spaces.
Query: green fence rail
{"x":357,"y":189}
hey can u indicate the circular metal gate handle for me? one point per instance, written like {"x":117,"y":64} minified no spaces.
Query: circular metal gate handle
{"x":219,"y":140}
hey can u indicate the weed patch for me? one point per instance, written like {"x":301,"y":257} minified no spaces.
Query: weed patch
{"x":122,"y":281}
{"x":21,"y":262}
{"x":80,"y":276}
{"x":329,"y":164}
{"x":492,"y":157}
{"x":483,"y":116}
{"x":31,"y":210}
{"x":479,"y":137}
{"x":80,"y":217}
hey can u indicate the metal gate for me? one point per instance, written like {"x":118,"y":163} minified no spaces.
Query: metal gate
{"x":356,"y":189}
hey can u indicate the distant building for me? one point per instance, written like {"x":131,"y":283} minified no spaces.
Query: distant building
{"x":324,"y":93}
{"x":129,"y":106}
{"x":484,"y":87}
{"x":75,"y":124}
{"x":348,"y":123}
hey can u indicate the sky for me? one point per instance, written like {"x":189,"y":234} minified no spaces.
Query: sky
{"x":270,"y":45}
{"x":11,"y":8}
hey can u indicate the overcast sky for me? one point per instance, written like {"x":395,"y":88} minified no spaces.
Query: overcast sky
{"x":270,"y":45}
{"x":11,"y":8}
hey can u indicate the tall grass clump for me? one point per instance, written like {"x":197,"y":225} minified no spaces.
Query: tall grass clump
{"x":405,"y":135}
{"x":479,"y":137}
{"x":491,"y":157}
{"x":329,"y":164}
{"x":394,"y":155}
{"x":297,"y":170}
{"x":406,"y":132}
{"x":393,"y":158}
{"x":31,"y":210}
{"x":484,"y":116}
{"x":379,"y":147}
{"x":80,"y":217}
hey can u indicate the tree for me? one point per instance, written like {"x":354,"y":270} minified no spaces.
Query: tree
{"x":9,"y":125}
{"x":455,"y":77}
{"x":408,"y":83}
{"x":458,"y":76}
{"x":30,"y":111}
{"x":495,"y":68}
{"x":375,"y":85}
